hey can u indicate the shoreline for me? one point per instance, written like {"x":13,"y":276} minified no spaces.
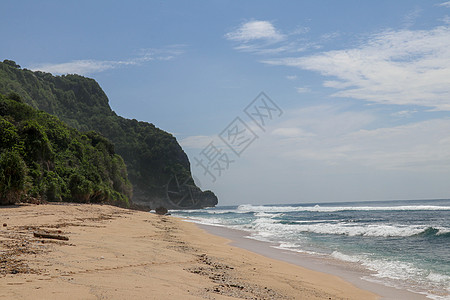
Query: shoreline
{"x":114,"y":253}
{"x":326,"y":265}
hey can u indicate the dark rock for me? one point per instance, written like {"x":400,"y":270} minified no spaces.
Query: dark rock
{"x":161,"y":210}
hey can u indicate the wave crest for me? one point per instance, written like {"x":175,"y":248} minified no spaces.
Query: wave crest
{"x":349,"y":229}
{"x":245,"y":208}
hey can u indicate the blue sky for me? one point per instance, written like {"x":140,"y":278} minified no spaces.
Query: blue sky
{"x":364,"y":86}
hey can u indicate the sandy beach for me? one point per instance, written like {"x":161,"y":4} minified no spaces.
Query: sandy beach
{"x":114,"y":253}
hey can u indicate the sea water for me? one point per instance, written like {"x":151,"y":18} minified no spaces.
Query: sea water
{"x":404,"y":244}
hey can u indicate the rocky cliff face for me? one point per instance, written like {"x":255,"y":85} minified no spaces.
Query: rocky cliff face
{"x":157,"y":166}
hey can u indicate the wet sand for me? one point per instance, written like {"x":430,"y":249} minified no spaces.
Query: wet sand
{"x":352,"y":273}
{"x":114,"y":253}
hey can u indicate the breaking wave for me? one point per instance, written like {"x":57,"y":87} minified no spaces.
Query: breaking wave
{"x":350,"y":229}
{"x":246,"y":208}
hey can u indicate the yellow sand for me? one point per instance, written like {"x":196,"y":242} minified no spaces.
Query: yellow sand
{"x":114,"y":253}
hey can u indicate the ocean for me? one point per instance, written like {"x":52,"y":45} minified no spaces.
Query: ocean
{"x":402,"y":244}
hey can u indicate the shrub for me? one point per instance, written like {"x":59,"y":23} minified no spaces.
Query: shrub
{"x":13,"y":177}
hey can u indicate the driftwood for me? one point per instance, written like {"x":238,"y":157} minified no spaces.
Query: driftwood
{"x":50,"y":236}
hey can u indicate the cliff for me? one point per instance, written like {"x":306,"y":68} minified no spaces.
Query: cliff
{"x":158,"y":168}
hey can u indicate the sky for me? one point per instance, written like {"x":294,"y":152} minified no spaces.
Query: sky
{"x":273,"y":101}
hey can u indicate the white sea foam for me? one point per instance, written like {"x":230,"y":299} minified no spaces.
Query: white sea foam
{"x":267,"y":215}
{"x":296,"y":248}
{"x":345,"y":257}
{"x":393,"y":269}
{"x":207,"y":221}
{"x":263,"y":236}
{"x":264,"y":225}
{"x":212,"y":211}
{"x":439,"y":278}
{"x":310,"y":221}
{"x":355,"y":230}
{"x":298,"y":232}
{"x":245,"y":208}
{"x":442,"y":230}
{"x":398,"y":273}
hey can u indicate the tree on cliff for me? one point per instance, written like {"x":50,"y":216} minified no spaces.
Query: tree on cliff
{"x":153,"y":156}
{"x":43,"y":158}
{"x":13,"y":177}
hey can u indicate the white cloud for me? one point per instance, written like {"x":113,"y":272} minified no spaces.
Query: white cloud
{"x":84,"y":67}
{"x":300,"y":30}
{"x":291,"y":77}
{"x":291,"y":132}
{"x":329,"y":36}
{"x":345,"y":151}
{"x":302,"y":90}
{"x":81,"y":67}
{"x":410,"y":18}
{"x":393,"y":148}
{"x":446,"y":19}
{"x":404,"y":113}
{"x":330,"y":136}
{"x":392,"y":67}
{"x":326,"y":120}
{"x":200,"y":142}
{"x":255,"y":30}
{"x":444,"y":4}
{"x":196,"y":142}
{"x":263,"y":38}
{"x":262,"y":48}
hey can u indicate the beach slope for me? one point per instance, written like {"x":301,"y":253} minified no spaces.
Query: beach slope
{"x":114,"y":253}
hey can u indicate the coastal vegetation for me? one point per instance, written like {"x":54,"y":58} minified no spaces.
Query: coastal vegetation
{"x":43,"y":158}
{"x":152,"y":156}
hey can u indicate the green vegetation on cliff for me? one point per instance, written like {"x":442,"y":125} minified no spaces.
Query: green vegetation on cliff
{"x":153,"y":157}
{"x":43,"y":158}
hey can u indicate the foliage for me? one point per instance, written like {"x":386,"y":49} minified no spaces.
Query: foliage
{"x":13,"y":176}
{"x":152,"y":155}
{"x":42,"y":157}
{"x":11,"y":63}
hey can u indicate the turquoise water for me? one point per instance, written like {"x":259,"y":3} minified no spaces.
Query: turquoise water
{"x":405,"y":244}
